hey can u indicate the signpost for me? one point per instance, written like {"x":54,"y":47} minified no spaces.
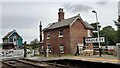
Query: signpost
{"x":94,"y":40}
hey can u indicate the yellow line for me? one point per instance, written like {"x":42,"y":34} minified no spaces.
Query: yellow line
{"x":96,"y":59}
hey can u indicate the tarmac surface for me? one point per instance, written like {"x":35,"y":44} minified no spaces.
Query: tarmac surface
{"x":105,"y":59}
{"x":94,"y":58}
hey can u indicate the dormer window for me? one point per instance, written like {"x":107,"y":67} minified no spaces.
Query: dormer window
{"x":61,"y":33}
{"x":48,"y":35}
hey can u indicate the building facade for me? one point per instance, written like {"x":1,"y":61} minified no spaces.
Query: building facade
{"x":13,"y":37}
{"x":65,"y":35}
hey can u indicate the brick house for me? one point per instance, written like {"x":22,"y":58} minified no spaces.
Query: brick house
{"x":65,"y":35}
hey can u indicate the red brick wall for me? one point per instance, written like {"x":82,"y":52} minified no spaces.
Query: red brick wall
{"x":71,"y":37}
{"x":77,"y":32}
{"x":55,"y":40}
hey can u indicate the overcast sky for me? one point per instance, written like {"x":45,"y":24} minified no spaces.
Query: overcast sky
{"x":24,"y":17}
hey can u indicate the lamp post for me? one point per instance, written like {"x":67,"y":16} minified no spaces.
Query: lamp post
{"x":98,"y":32}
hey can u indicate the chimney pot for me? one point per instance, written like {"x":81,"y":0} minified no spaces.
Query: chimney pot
{"x":60,"y":15}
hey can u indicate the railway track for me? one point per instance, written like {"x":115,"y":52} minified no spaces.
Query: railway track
{"x":32,"y":64}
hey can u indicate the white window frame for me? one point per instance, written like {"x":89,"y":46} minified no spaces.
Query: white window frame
{"x":49,"y":48}
{"x":48,"y":35}
{"x":42,"y":48}
{"x":61,"y":33}
{"x":15,"y":40}
{"x":89,"y":33}
{"x":61,"y":47}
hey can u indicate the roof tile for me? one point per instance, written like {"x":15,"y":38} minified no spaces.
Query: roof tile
{"x":66,"y":22}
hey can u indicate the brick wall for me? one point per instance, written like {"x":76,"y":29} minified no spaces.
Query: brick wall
{"x":55,"y":40}
{"x":77,"y":32}
{"x":72,"y":36}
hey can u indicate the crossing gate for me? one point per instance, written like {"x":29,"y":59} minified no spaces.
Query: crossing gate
{"x":16,"y":53}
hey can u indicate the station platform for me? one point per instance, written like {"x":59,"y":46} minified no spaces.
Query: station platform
{"x":95,"y":58}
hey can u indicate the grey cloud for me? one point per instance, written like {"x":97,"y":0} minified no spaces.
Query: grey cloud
{"x":77,"y":7}
{"x":101,"y":3}
{"x":19,"y":15}
{"x":17,"y":22}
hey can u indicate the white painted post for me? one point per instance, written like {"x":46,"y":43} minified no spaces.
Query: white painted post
{"x":47,"y":51}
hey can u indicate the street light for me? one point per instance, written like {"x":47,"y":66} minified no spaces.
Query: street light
{"x":98,"y":32}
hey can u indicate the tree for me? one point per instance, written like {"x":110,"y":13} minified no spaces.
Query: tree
{"x":110,"y":33}
{"x":34,"y":44}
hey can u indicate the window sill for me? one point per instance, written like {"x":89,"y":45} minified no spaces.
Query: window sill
{"x":60,"y":36}
{"x":49,"y":51}
{"x":62,"y":52}
{"x":48,"y":38}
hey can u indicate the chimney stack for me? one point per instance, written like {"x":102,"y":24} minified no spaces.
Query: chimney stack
{"x":60,"y":15}
{"x":40,"y":27}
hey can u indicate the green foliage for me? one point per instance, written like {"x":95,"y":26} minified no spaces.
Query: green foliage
{"x":34,"y":44}
{"x":107,"y":31}
{"x":110,"y":33}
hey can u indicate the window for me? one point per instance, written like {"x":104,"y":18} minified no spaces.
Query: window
{"x":49,"y":48}
{"x":61,"y":33}
{"x":11,"y":39}
{"x":88,"y":31}
{"x":42,"y":48}
{"x":48,"y":35}
{"x":61,"y":49}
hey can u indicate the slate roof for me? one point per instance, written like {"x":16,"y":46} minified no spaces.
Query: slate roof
{"x":67,"y":22}
{"x":8,"y":34}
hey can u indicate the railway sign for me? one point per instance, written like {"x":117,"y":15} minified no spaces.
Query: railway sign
{"x":94,"y":40}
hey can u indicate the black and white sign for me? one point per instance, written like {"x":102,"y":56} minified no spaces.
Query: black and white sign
{"x":94,"y":40}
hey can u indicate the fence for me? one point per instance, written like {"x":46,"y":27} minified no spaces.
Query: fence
{"x":105,"y":49}
{"x":16,"y":53}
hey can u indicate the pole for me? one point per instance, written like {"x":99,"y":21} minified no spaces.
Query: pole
{"x":40,"y":29}
{"x":25,"y":50}
{"x":98,"y":35}
{"x":98,"y":32}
